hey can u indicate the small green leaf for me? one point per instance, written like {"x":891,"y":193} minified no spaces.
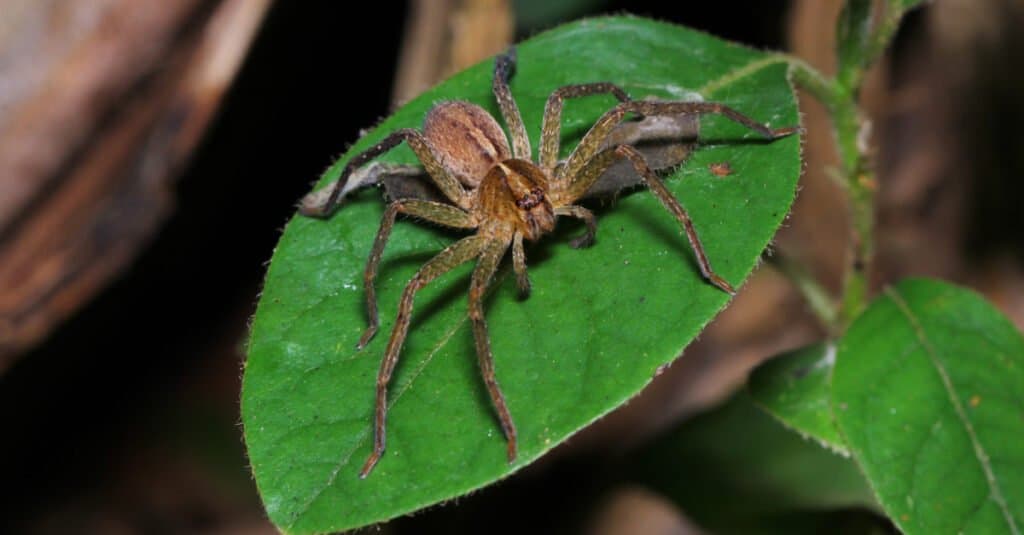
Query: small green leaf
{"x":861,"y":37}
{"x":902,"y":6}
{"x":928,"y":390}
{"x":599,"y":323}
{"x":853,"y":33}
{"x":736,"y":470}
{"x":881,"y":34}
{"x":796,"y":388}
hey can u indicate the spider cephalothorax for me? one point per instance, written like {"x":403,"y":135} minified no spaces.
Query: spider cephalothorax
{"x":512,"y":192}
{"x":492,"y":186}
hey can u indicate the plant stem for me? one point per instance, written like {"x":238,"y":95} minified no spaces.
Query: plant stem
{"x":883,"y":34}
{"x":860,"y":187}
{"x":821,"y":302}
{"x":856,"y":176}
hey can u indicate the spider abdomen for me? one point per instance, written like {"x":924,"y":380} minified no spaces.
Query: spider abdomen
{"x":466,"y":139}
{"x":515,"y":191}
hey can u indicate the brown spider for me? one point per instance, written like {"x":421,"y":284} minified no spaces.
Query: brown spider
{"x":506,"y":198}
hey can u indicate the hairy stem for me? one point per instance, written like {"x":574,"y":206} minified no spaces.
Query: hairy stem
{"x":820,"y":300}
{"x":860,"y":187}
{"x":855,"y":174}
{"x":883,"y":33}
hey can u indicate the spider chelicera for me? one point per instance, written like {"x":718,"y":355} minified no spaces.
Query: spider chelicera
{"x":497,"y":190}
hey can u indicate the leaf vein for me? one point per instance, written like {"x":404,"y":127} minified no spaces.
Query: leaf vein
{"x":363,"y":437}
{"x":947,"y":383}
{"x":740,"y":72}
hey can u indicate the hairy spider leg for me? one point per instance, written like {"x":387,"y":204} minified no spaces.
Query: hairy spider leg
{"x":448,"y":184}
{"x":576,"y":186}
{"x":314,"y":203}
{"x":482,"y":276}
{"x":591,"y":143}
{"x":587,"y":162}
{"x":603,"y":160}
{"x":550,"y":140}
{"x":551,"y":131}
{"x":579,"y":212}
{"x":676,"y":209}
{"x":519,"y":264}
{"x":434,"y":212}
{"x":504,"y":64}
{"x":452,"y":256}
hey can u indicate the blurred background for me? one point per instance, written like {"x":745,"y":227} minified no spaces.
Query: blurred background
{"x":150,"y":153}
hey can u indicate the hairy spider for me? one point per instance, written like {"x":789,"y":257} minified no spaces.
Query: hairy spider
{"x":506,"y":197}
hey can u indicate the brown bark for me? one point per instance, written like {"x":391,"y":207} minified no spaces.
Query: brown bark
{"x":445,"y":36}
{"x":101,"y":104}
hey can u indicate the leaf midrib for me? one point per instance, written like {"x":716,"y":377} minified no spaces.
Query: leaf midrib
{"x":364,"y":435}
{"x":979,"y":451}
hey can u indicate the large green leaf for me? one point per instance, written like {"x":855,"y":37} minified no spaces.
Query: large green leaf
{"x":796,"y":388}
{"x":597,"y":326}
{"x":928,"y":390}
{"x":736,"y":470}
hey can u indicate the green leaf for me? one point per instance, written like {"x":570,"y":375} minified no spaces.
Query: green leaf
{"x":597,"y":326}
{"x":736,"y":470}
{"x":861,"y":37}
{"x":902,"y":6}
{"x":533,"y":15}
{"x":881,"y":35}
{"x":853,"y":33}
{"x":928,"y":390}
{"x":796,"y":388}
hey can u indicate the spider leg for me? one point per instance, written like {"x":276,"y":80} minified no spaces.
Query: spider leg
{"x":604,"y":159}
{"x":578,"y":184}
{"x":448,"y":184}
{"x":442,"y":214}
{"x":579,"y":212}
{"x":551,"y":132}
{"x":314,"y":204}
{"x":591,"y":143}
{"x":519,"y":264}
{"x":455,"y":254}
{"x":504,"y":64}
{"x":482,"y":276}
{"x":672,"y":205}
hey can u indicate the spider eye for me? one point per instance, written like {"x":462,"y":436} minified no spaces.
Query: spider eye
{"x":535,"y":197}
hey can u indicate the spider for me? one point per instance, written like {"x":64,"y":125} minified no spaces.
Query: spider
{"x":494,"y":188}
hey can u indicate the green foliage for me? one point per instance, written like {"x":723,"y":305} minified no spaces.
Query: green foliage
{"x":533,"y":15}
{"x":735,"y":470}
{"x":796,"y":389}
{"x":926,"y":393}
{"x":927,"y":390}
{"x":598,"y":325}
{"x":925,"y":387}
{"x":853,"y":34}
{"x":862,"y":36}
